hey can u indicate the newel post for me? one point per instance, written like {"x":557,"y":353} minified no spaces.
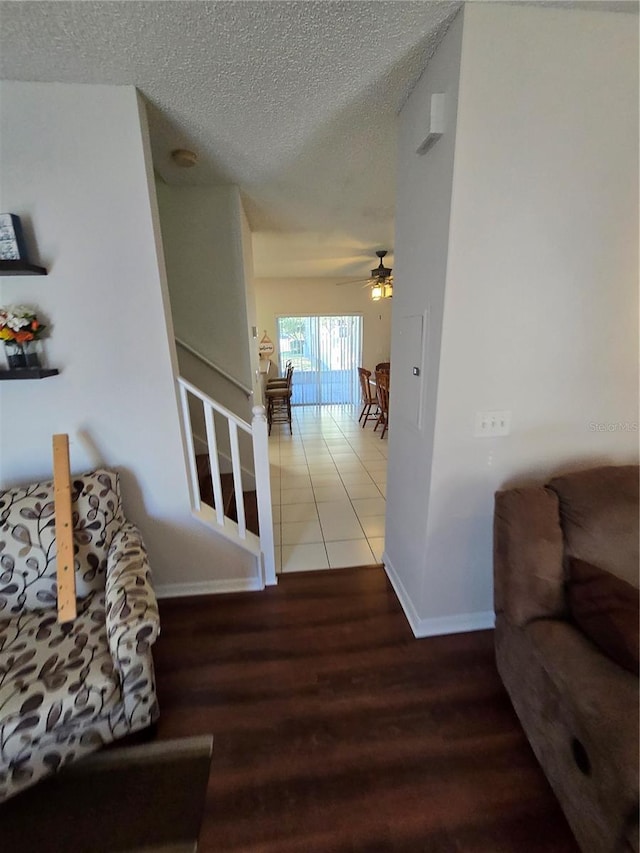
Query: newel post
{"x":260,"y":437}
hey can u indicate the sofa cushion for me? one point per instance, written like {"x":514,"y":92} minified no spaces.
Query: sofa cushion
{"x":580,"y":713}
{"x":599,"y":518}
{"x":27,"y":539}
{"x":527,"y":556}
{"x":606,"y":609}
{"x":53,"y":676}
{"x":600,"y":698}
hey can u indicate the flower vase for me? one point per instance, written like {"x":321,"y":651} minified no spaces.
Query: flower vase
{"x":16,"y":359}
{"x":21,"y":356}
{"x":31,"y":350}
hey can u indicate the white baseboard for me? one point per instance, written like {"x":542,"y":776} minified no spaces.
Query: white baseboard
{"x":212,"y":587}
{"x":457,"y":623}
{"x":405,"y":602}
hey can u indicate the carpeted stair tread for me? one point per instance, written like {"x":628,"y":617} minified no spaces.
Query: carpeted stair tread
{"x":228,"y":494}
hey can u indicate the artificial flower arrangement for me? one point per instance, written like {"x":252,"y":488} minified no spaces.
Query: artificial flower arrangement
{"x":20,"y":325}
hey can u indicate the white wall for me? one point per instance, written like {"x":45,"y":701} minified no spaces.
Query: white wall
{"x":541,"y":301}
{"x":203,"y":245}
{"x":75,"y":165}
{"x":207,"y":248}
{"x":308,"y":296}
{"x":424,"y":184}
{"x":250,"y":299}
{"x":236,"y":400}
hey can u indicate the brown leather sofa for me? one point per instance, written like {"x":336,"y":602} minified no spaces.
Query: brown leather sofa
{"x":575,"y":693}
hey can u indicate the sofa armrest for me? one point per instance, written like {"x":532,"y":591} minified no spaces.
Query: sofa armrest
{"x":528,"y":556}
{"x":132,"y":618}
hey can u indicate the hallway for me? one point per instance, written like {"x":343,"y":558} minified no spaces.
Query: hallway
{"x":328,"y":483}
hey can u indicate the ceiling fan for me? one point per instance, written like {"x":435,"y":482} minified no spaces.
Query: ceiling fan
{"x":380,"y":280}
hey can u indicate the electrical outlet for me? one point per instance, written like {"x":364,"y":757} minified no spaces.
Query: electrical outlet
{"x":492,"y":424}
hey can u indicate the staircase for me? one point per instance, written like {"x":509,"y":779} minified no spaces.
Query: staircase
{"x":214,"y":495}
{"x":250,"y":498}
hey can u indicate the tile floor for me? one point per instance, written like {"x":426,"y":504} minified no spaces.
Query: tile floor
{"x":328,"y":483}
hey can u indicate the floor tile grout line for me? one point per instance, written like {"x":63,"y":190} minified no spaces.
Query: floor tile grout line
{"x":324,"y":544}
{"x":356,"y":515}
{"x":320,"y":438}
{"x":351,"y":501}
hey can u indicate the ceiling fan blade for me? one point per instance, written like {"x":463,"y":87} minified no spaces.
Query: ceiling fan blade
{"x":351,"y":281}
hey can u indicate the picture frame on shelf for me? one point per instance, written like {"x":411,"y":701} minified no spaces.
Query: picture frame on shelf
{"x":12,"y":245}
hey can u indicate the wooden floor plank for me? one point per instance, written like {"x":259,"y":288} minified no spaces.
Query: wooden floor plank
{"x":336,"y":730}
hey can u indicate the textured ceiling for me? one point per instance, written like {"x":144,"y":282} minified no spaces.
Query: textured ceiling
{"x":296,"y":102}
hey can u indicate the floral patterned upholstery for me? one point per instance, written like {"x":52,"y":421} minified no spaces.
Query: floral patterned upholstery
{"x":65,"y":690}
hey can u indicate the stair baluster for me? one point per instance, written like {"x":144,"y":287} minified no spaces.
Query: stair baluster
{"x":219,"y":516}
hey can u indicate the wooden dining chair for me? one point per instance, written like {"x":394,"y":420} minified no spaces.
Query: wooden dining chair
{"x":384,"y":365}
{"x":369,"y":399}
{"x":382,"y":390}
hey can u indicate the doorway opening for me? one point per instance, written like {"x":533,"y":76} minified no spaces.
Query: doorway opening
{"x":329,"y":473}
{"x":325,"y":351}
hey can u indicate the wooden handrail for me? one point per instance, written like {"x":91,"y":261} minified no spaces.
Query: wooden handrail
{"x":205,"y":398}
{"x":219,"y":370}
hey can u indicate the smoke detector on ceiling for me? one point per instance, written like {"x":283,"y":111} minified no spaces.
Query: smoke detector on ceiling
{"x":184,"y":158}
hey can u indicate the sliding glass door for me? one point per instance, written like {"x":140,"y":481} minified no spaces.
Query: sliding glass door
{"x":325,"y":352}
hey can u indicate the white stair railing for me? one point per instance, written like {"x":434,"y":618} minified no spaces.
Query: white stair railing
{"x":194,"y":352}
{"x":261,"y":546}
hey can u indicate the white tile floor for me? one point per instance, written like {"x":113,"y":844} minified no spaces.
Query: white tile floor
{"x":328,"y":483}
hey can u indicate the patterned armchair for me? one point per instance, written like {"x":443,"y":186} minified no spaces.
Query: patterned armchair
{"x":65,"y":690}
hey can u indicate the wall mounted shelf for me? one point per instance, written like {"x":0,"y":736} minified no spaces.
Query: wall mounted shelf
{"x":28,"y":373}
{"x":20,"y":268}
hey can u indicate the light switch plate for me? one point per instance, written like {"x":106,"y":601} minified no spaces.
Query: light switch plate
{"x":493,"y":423}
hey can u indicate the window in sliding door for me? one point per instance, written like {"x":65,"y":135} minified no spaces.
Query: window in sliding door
{"x":325,"y":352}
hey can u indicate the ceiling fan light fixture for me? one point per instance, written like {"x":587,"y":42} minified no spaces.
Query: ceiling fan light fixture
{"x":381,"y":280}
{"x":381,"y":272}
{"x":376,"y":292}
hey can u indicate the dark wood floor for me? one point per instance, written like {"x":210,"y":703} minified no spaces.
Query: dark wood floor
{"x":336,"y":730}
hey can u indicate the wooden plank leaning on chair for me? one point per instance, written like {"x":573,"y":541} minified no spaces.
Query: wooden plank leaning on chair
{"x":65,"y":570}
